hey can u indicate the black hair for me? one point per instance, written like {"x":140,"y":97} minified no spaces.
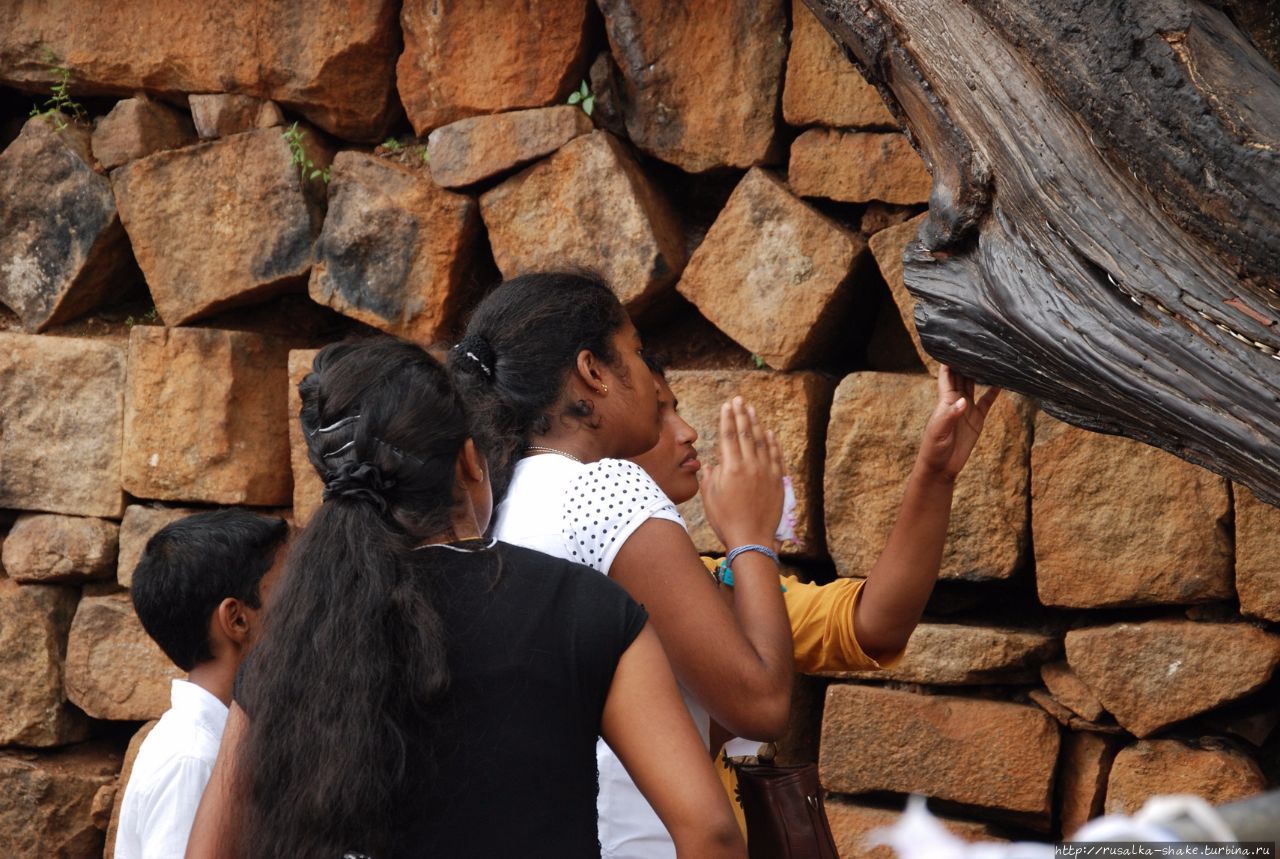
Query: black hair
{"x":657,"y":364}
{"x":351,"y":663}
{"x":515,"y":357}
{"x":190,"y":566}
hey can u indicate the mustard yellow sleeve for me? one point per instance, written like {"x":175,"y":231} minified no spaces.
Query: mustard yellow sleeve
{"x":822,"y":626}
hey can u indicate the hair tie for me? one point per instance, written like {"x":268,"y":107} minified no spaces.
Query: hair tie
{"x":360,"y":481}
{"x":475,"y":348}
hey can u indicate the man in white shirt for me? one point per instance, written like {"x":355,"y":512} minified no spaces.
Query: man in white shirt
{"x":198,"y":591}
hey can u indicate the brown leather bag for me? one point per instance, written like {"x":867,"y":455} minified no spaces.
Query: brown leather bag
{"x":786,"y":817}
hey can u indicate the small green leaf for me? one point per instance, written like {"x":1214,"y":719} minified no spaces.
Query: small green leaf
{"x":575,"y":97}
{"x":758,"y":361}
{"x":588,"y":104}
{"x":315,"y":174}
{"x":583,"y":91}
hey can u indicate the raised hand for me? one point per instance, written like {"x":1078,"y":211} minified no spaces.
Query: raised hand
{"x":955,"y":425}
{"x":743,"y":494}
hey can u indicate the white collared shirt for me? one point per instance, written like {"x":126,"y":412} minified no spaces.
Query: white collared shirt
{"x":169,"y":775}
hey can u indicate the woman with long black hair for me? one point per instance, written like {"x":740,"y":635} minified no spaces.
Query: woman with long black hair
{"x":553,"y":370}
{"x":422,"y":691}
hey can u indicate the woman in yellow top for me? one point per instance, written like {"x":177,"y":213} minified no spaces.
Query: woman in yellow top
{"x":855,"y":624}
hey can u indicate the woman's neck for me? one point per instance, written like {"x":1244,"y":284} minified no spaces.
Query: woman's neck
{"x":583,"y":446}
{"x":462,"y":527}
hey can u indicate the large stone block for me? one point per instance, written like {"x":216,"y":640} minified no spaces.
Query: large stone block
{"x":114,"y":669}
{"x":48,"y":548}
{"x":852,"y":823}
{"x":332,"y":61}
{"x":308,"y":488}
{"x":953,"y":654}
{"x":822,"y":86}
{"x":395,"y":248}
{"x":488,"y":56}
{"x":793,"y":405}
{"x":47,"y":801}
{"x":140,"y":523}
{"x":34,"y":621}
{"x":205,"y":417}
{"x":877,"y":421}
{"x":469,"y":150}
{"x":1070,"y":691}
{"x":62,"y":249}
{"x":701,"y":78}
{"x":987,"y":754}
{"x":588,"y":205}
{"x":1257,"y":548}
{"x":61,"y":412}
{"x":887,"y":246}
{"x":136,"y":127}
{"x":1217,"y":774}
{"x":224,"y":114}
{"x":1152,"y":674}
{"x":1082,"y":778}
{"x":1116,"y":522}
{"x":220,"y":224}
{"x":774,"y":274}
{"x":857,"y":167}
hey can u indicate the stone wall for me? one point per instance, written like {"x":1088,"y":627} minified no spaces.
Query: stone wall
{"x":1106,"y":624}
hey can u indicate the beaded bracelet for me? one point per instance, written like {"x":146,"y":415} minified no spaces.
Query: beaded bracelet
{"x":724,"y":572}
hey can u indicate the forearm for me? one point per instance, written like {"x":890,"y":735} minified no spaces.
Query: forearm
{"x":762,"y":618}
{"x":900,"y":582}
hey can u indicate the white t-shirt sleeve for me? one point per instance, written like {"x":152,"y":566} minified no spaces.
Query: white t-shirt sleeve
{"x":604,"y":504}
{"x":169,"y":808}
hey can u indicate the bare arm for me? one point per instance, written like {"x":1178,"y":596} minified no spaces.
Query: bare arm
{"x":735,"y":659}
{"x":899,"y":584}
{"x":646,"y":724}
{"x":213,"y":833}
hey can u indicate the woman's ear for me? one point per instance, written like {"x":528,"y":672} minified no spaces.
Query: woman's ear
{"x":588,"y":367}
{"x":471,"y":461}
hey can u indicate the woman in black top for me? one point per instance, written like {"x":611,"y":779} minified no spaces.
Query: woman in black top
{"x":419,"y":691}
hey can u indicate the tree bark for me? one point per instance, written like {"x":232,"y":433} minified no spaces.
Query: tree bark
{"x":1104,"y":226}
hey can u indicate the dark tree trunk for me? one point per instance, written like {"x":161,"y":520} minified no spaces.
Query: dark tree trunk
{"x":1104,"y":228}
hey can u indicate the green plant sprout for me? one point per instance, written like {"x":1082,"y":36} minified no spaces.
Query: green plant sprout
{"x":394,"y":147}
{"x":307,"y":170}
{"x":145,"y":319}
{"x":758,"y":361}
{"x":59,"y":105}
{"x":584,"y":98}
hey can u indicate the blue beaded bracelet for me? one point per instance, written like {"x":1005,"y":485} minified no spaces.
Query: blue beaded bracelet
{"x":725,"y":570}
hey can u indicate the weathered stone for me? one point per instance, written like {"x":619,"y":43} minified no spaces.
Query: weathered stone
{"x":224,"y":114}
{"x":308,"y":488}
{"x":1155,"y":525}
{"x":701,"y":78}
{"x":989,"y":754}
{"x":34,"y":620}
{"x":126,"y":770}
{"x":140,"y":523}
{"x":47,"y":548}
{"x":61,"y":411}
{"x":243,"y":196}
{"x":588,"y":205}
{"x":851,"y":823}
{"x":793,"y":405}
{"x":1257,"y":548}
{"x":62,"y":249}
{"x":461,"y":60}
{"x":1082,"y":778}
{"x":774,"y":274}
{"x":47,"y":801}
{"x":114,"y":670}
{"x":205,"y":417}
{"x":887,"y":247}
{"x":1071,"y":691}
{"x":1149,"y":675}
{"x":822,"y":86}
{"x":1162,"y":767}
{"x":395,"y":248}
{"x":952,"y":654}
{"x":877,"y":216}
{"x":873,"y":438}
{"x":332,"y":61}
{"x":856,"y":167}
{"x":137,"y":127}
{"x":605,"y":82}
{"x":469,"y":150}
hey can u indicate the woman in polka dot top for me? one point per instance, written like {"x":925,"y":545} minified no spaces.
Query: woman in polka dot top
{"x":552,"y":370}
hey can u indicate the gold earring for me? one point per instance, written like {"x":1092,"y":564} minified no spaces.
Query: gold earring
{"x":604,"y":389}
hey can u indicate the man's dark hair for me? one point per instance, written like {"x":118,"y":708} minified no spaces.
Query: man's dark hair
{"x":190,"y":566}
